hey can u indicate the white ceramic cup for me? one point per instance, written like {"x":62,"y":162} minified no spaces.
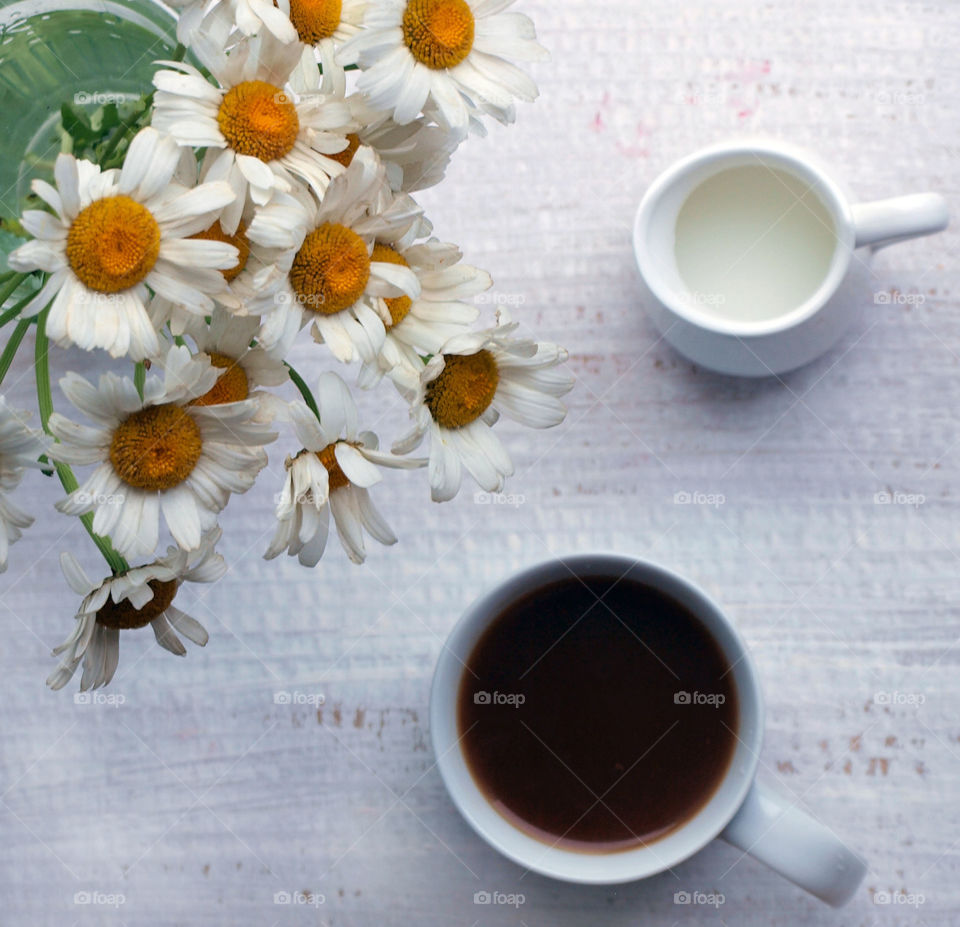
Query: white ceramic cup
{"x":758,"y":821}
{"x":809,"y":329}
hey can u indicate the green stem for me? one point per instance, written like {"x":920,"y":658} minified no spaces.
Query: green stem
{"x":14,"y":311}
{"x":119,"y":133}
{"x":67,"y":479}
{"x":13,"y":345}
{"x":178,"y":339}
{"x":6,"y":358}
{"x":10,"y":287}
{"x":140,"y":377}
{"x":301,"y":385}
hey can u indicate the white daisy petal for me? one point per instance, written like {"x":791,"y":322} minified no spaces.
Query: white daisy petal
{"x":444,"y":468}
{"x":111,"y":655}
{"x":166,"y":636}
{"x":148,"y":165}
{"x":372,"y":520}
{"x":529,"y":406}
{"x":330,"y":331}
{"x":39,"y":254}
{"x":338,"y":412}
{"x":312,"y":550}
{"x":197,"y":253}
{"x":355,"y":466}
{"x":42,"y":225}
{"x":67,"y":177}
{"x":346,"y":514}
{"x":476,"y":462}
{"x":189,"y":627}
{"x":78,"y":581}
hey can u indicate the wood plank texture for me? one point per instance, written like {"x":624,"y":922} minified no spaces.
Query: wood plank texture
{"x":200,"y":797}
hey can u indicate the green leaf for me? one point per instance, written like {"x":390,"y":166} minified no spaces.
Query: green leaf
{"x":108,"y":117}
{"x":77,"y":125}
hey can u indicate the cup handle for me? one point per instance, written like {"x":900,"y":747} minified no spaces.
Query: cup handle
{"x":884,"y":222}
{"x":773,"y":830}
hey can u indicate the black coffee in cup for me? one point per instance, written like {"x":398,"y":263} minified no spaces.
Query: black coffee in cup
{"x":597,"y":713}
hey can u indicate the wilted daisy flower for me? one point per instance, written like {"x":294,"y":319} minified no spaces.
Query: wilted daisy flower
{"x":158,"y":454}
{"x":20,"y":446}
{"x":227,"y":342}
{"x":141,"y":596}
{"x":421,"y":326}
{"x":332,"y":472}
{"x":461,"y":394}
{"x":334,"y":278}
{"x":445,"y":57}
{"x":112,"y":235}
{"x":272,"y":135}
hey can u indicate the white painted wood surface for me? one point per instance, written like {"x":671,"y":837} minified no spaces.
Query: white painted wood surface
{"x":200,"y":797}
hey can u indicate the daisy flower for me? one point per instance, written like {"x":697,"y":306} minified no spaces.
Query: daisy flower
{"x":218,"y":20}
{"x":134,"y":599}
{"x":323,"y":26}
{"x":20,"y":446}
{"x":422,"y":325}
{"x":158,"y":454}
{"x":334,"y":278}
{"x":445,"y":57}
{"x":461,"y":394}
{"x":415,"y":155}
{"x":227,"y":342}
{"x":252,"y":117}
{"x":332,"y":473}
{"x":111,"y":235}
{"x":264,"y":236}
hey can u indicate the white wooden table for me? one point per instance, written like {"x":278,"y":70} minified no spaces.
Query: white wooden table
{"x":200,"y":797}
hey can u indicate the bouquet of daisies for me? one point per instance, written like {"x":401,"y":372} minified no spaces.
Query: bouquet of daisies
{"x":259,"y":189}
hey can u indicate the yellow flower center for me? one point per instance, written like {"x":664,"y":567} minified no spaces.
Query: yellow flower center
{"x":122,"y":616}
{"x":331,"y":269}
{"x":345,"y":157}
{"x":232,"y":386}
{"x":315,"y":19}
{"x":398,"y":306}
{"x":258,"y":119}
{"x":239,"y":241}
{"x":156,"y":448}
{"x":463,"y":390}
{"x":439,"y":33}
{"x":338,"y":479}
{"x":113,"y":244}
